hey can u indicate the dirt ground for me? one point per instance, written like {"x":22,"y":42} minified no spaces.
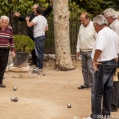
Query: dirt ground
{"x":45,"y":97}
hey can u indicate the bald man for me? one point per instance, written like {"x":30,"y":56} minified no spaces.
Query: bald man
{"x":85,"y":44}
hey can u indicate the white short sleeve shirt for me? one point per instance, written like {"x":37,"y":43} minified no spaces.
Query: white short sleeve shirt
{"x":40,"y":25}
{"x":108,"y":42}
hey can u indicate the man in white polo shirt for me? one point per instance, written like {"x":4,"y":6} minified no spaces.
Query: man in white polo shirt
{"x":113,"y":22}
{"x":85,"y":44}
{"x":104,"y":55}
{"x":40,"y":26}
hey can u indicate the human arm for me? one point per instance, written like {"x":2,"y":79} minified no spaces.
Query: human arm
{"x":29,"y":24}
{"x":18,"y":15}
{"x":46,"y":29}
{"x":78,"y":46}
{"x":96,"y":56}
{"x":11,"y":41}
{"x":48,"y":9}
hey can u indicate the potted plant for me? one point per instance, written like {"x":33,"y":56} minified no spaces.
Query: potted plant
{"x":23,"y":46}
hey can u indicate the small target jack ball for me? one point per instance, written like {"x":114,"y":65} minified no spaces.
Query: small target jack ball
{"x":69,"y":106}
{"x":44,"y":74}
{"x":14,"y":88}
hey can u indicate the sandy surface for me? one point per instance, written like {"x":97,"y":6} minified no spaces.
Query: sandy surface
{"x":45,"y":97}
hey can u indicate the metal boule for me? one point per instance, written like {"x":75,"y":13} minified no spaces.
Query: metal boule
{"x":12,"y":99}
{"x":69,"y":106}
{"x":14,"y":88}
{"x":44,"y":74}
{"x":15,"y":99}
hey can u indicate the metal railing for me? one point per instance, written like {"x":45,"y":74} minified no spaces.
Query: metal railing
{"x":73,"y":31}
{"x":20,"y":28}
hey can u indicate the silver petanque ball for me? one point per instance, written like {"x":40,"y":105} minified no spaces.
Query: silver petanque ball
{"x":14,"y":88}
{"x":69,"y":106}
{"x":44,"y":74}
{"x":15,"y":99}
{"x":12,"y":99}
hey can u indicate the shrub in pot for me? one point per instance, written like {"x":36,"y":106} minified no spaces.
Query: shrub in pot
{"x":23,"y":46}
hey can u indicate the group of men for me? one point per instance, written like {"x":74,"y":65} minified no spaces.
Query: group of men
{"x":98,"y":44}
{"x":36,"y":29}
{"x":37,"y":25}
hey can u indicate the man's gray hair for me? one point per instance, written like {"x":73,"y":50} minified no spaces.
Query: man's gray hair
{"x":110,"y":13}
{"x":100,"y":19}
{"x":117,"y":12}
{"x":4,"y":18}
{"x":36,"y":5}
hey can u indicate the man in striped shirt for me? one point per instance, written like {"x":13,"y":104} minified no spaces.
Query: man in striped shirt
{"x":6,"y":43}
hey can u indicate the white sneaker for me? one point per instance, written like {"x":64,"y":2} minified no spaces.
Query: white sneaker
{"x":37,"y":69}
{"x":11,"y":65}
{"x":87,"y":118}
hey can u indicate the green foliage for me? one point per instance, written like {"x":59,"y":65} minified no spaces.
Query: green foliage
{"x":93,"y":7}
{"x":23,"y":43}
{"x":74,"y":10}
{"x":23,"y":6}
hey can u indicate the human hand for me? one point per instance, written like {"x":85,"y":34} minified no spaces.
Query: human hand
{"x":51,"y":3}
{"x":27,"y":18}
{"x":13,"y":54}
{"x":17,"y":14}
{"x":95,"y":64}
{"x":77,"y":55}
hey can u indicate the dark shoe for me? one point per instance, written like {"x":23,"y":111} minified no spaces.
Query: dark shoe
{"x":91,"y":86}
{"x":2,"y":86}
{"x":32,"y":63}
{"x":114,"y":110}
{"x":83,"y":86}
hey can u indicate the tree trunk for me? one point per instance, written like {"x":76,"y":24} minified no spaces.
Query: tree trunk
{"x":61,"y":35}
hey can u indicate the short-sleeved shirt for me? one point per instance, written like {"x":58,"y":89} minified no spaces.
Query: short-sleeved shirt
{"x":40,"y":26}
{"x":115,"y":26}
{"x":108,"y":42}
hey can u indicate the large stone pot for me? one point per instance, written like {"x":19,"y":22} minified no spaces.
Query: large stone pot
{"x":21,"y":59}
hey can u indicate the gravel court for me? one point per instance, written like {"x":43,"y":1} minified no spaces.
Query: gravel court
{"x":45,"y":97}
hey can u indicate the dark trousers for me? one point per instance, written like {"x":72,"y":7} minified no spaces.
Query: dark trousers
{"x":34,"y":57}
{"x":39,"y":49}
{"x":115,"y":95}
{"x":102,"y":89}
{"x":4,"y":53}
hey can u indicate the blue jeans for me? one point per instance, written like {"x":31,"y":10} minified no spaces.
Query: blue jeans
{"x":102,"y":89}
{"x":87,"y":68}
{"x":39,"y":49}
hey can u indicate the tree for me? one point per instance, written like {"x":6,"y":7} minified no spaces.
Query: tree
{"x":93,"y":7}
{"x":61,"y":35}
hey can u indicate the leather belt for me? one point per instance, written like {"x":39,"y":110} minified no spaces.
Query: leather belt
{"x":108,"y":61}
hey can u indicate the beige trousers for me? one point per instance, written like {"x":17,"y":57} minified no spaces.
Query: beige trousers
{"x":115,"y":77}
